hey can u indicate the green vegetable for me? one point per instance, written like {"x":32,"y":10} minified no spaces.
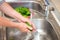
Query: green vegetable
{"x":23,"y":11}
{"x":29,"y":26}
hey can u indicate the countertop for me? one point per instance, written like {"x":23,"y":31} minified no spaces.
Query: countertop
{"x":57,"y":4}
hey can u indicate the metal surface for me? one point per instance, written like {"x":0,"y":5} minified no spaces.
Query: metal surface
{"x":46,"y":32}
{"x":45,"y":29}
{"x":54,"y":18}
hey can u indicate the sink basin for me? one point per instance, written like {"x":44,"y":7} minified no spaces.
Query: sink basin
{"x":47,"y":31}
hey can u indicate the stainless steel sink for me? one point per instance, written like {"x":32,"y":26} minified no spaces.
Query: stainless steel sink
{"x":47,"y":31}
{"x":45,"y":28}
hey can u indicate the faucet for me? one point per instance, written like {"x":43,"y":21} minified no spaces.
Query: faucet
{"x":46,"y":5}
{"x":46,"y":8}
{"x":46,"y":2}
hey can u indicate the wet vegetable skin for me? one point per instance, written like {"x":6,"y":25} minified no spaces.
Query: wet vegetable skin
{"x":29,"y":26}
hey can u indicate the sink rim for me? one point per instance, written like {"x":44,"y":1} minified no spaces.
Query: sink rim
{"x":23,"y":2}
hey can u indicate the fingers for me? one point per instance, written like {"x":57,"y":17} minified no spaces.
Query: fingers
{"x":23,"y":27}
{"x":26,"y":30}
{"x":33,"y":26}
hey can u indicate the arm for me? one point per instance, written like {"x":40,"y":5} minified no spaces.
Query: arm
{"x":7,"y":9}
{"x":7,"y":23}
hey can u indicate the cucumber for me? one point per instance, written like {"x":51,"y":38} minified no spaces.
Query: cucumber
{"x":29,"y":26}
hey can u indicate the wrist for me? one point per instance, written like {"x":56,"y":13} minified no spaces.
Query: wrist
{"x":14,"y":25}
{"x":18,"y":16}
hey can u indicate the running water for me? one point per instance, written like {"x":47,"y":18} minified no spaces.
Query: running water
{"x":28,"y":36}
{"x":39,"y":35}
{"x":38,"y":32}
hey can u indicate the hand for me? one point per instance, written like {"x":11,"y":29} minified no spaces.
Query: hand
{"x":23,"y":27}
{"x":27,"y":20}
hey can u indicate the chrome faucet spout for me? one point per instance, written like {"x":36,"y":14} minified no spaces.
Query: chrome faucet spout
{"x":46,"y":8}
{"x":46,"y":2}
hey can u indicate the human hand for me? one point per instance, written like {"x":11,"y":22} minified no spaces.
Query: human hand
{"x":24,"y":20}
{"x":23,"y":27}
